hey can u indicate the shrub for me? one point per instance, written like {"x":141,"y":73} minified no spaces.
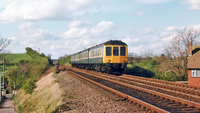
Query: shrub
{"x":65,"y":60}
{"x":27,"y":72}
{"x":29,"y":86}
{"x":139,"y":71}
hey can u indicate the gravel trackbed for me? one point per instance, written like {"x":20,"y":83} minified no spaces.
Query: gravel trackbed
{"x":84,"y":97}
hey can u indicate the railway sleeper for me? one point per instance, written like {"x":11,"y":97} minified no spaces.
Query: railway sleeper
{"x":173,"y":101}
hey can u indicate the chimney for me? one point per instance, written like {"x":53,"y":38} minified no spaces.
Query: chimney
{"x":190,"y":49}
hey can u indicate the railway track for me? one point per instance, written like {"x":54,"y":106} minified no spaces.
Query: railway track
{"x":181,"y":92}
{"x":195,"y":90}
{"x":142,"y":94}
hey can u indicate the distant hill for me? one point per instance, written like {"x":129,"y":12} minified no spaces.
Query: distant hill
{"x":17,"y":57}
{"x":13,"y":58}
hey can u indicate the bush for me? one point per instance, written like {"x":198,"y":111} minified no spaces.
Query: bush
{"x":65,"y":60}
{"x":29,"y":86}
{"x":138,"y":71}
{"x":28,"y":71}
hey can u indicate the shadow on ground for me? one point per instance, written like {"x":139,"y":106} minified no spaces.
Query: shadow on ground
{"x":138,"y":71}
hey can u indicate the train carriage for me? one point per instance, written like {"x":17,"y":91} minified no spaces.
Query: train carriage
{"x":110,"y":57}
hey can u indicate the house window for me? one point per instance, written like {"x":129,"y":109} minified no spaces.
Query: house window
{"x":195,"y":73}
{"x":198,"y":73}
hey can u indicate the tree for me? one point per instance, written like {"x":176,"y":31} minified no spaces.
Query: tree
{"x":148,"y":54}
{"x":134,"y":58}
{"x":177,"y":51}
{"x":130,"y":58}
{"x":3,"y":43}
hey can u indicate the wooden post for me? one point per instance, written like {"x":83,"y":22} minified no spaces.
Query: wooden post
{"x":3,"y":72}
{"x":0,"y":88}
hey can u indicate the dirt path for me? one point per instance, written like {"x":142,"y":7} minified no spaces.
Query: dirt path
{"x":8,"y":106}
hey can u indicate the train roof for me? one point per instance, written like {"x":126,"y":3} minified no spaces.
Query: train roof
{"x":110,"y":42}
{"x":114,"y":42}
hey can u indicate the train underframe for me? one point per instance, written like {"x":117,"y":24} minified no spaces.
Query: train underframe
{"x":110,"y":68}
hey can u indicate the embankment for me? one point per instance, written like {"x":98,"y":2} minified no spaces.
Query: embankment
{"x":44,"y":99}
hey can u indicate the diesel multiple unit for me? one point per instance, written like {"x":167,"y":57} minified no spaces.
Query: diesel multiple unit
{"x":109,"y":57}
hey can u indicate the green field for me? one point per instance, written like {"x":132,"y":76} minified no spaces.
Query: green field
{"x":17,"y":57}
{"x":12,"y":59}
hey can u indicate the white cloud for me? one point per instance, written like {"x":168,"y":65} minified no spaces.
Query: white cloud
{"x":59,"y":43}
{"x":24,"y":42}
{"x":45,"y":42}
{"x":28,"y":25}
{"x":168,"y":39}
{"x":130,"y":39}
{"x":171,"y":32}
{"x":86,"y":42}
{"x":42,"y":9}
{"x":12,"y":38}
{"x":78,"y":23}
{"x":140,"y":13}
{"x":77,"y":38}
{"x":155,"y":45}
{"x":173,"y":28}
{"x":197,"y":27}
{"x":54,"y":47}
{"x":154,"y":1}
{"x":102,"y":27}
{"x":194,"y":4}
{"x":31,"y":35}
{"x":74,"y":33}
{"x":5,"y":3}
{"x":147,"y":30}
{"x":165,"y":34}
{"x":136,"y":49}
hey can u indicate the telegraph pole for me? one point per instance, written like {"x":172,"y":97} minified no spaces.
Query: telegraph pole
{"x":3,"y":72}
{"x":0,"y":87}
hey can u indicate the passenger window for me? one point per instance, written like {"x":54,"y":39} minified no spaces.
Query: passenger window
{"x":108,"y":51}
{"x":123,"y":51}
{"x":115,"y":51}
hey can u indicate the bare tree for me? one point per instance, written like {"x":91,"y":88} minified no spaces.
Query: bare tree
{"x":130,"y":58}
{"x":148,"y":54}
{"x":177,"y":51}
{"x":3,"y":43}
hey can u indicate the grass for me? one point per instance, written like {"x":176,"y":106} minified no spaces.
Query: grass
{"x":40,"y":101}
{"x":13,"y":59}
{"x":17,"y":57}
{"x":151,"y":68}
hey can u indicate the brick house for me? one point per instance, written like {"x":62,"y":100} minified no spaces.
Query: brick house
{"x":194,"y":65}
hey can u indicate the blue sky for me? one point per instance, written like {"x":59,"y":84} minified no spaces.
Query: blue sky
{"x":60,"y":27}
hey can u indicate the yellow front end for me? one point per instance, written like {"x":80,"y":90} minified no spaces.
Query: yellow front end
{"x":115,"y":54}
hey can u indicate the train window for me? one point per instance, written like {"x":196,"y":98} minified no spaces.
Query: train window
{"x":115,"y":51}
{"x":108,"y":51}
{"x":122,"y":51}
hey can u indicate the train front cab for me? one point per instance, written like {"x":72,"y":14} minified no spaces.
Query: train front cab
{"x":116,"y":58}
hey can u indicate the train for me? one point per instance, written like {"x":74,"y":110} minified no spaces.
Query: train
{"x":108,"y":57}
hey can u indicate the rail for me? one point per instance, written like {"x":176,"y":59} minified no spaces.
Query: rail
{"x":184,"y":102}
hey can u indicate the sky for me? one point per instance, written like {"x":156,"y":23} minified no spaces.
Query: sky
{"x":60,"y":27}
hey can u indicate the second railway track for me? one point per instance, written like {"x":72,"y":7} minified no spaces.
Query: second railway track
{"x":155,"y":98}
{"x":159,"y":87}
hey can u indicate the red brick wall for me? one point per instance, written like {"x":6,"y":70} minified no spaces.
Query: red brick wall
{"x":193,"y":80}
